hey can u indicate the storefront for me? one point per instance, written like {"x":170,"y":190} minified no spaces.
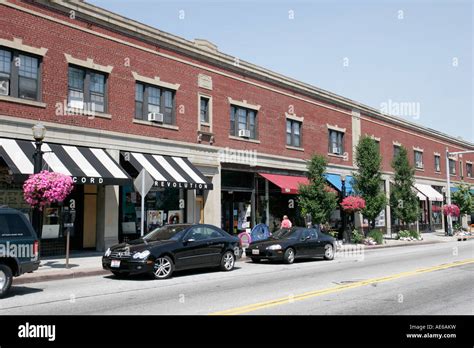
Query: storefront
{"x":167,"y":201}
{"x":430,"y":201}
{"x":92,"y":169}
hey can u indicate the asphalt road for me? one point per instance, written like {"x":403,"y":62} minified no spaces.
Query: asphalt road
{"x":425,"y":279}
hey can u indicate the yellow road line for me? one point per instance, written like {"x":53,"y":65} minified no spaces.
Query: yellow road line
{"x":310,"y":294}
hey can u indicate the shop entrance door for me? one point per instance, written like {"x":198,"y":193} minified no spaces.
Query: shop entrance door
{"x":236,"y":211}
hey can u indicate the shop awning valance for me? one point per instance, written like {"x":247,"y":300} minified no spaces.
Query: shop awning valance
{"x":169,"y":171}
{"x":426,"y":191}
{"x":455,"y":189}
{"x":84,"y":164}
{"x":336,"y":181}
{"x":288,"y":184}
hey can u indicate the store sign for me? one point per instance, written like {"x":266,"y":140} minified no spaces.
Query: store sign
{"x":87,"y":180}
{"x":184,"y":185}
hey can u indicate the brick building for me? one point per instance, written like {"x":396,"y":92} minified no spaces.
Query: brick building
{"x":225,"y":140}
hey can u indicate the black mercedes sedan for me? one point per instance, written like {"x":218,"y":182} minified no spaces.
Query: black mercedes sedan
{"x":173,"y":247}
{"x":288,"y":244}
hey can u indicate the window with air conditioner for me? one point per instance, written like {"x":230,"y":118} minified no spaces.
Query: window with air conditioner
{"x":86,"y":89}
{"x":243,"y":122}
{"x":336,"y":142}
{"x":154,"y":104}
{"x":19,"y":74}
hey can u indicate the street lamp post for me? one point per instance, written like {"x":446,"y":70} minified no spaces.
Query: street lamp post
{"x":39,"y":132}
{"x":343,"y":213}
{"x":448,"y":186}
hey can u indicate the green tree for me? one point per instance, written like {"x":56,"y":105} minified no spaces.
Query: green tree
{"x":315,"y":198}
{"x":463,"y":199}
{"x":403,"y":200}
{"x":368,"y":178}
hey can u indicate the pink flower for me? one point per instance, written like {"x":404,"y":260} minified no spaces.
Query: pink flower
{"x":451,"y":210}
{"x":46,"y":188}
{"x":353,"y":204}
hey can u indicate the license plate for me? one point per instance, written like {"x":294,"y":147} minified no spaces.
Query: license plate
{"x":115,"y":263}
{"x":255,"y":251}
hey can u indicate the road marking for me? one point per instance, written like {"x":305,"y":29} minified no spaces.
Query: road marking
{"x":310,"y":294}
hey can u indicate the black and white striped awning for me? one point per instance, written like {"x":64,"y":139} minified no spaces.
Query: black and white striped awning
{"x":85,"y":165}
{"x":169,"y":171}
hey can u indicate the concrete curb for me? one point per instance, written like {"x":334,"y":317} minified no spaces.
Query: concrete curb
{"x":58,"y":275}
{"x":398,"y":245}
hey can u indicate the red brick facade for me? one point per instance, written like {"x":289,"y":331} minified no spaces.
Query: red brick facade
{"x":60,"y":39}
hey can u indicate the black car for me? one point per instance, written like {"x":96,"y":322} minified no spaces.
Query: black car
{"x":19,"y":245}
{"x":173,"y":247}
{"x":288,"y":244}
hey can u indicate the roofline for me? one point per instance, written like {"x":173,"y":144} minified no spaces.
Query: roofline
{"x":143,"y":32}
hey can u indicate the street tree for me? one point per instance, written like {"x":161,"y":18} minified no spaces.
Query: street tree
{"x":367,"y":180}
{"x":463,"y":198}
{"x":403,"y":200}
{"x":316,"y":198}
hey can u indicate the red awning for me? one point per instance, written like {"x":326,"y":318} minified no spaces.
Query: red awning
{"x":288,"y":184}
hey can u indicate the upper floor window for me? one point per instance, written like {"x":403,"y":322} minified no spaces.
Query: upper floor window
{"x":154,"y":104}
{"x":336,"y":142}
{"x":86,"y":89}
{"x":19,"y":75}
{"x":452,"y":167}
{"x":204,"y":109}
{"x":293,"y":133}
{"x":418,"y":159}
{"x":396,"y":150}
{"x":437,"y":163}
{"x":243,"y":122}
{"x":469,"y":170}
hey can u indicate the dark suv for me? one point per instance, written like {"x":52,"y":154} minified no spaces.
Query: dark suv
{"x":18,"y":247}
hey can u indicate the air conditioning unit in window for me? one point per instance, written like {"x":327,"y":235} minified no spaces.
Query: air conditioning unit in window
{"x":244,"y":133}
{"x":155,"y":117}
{"x":4,"y":87}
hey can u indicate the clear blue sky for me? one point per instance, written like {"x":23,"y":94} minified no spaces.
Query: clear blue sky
{"x":403,"y":51}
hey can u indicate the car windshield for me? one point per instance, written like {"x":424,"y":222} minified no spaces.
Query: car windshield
{"x":168,"y":232}
{"x":285,"y":233}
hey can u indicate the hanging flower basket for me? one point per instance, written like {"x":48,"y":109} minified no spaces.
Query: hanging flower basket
{"x":352,"y":204}
{"x":451,"y":210}
{"x":46,"y":187}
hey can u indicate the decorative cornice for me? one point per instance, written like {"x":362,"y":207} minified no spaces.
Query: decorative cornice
{"x":155,"y":81}
{"x":396,"y":143}
{"x":89,"y":64}
{"x":336,"y":128}
{"x":419,"y":149}
{"x":294,"y":117}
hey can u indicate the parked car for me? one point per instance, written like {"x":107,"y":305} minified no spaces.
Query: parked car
{"x":289,"y":244}
{"x":19,"y":247}
{"x":171,"y":248}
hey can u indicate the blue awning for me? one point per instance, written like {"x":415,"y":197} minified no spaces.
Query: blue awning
{"x":335,"y":180}
{"x":455,"y":189}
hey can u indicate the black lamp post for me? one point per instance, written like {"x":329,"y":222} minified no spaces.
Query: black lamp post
{"x":39,"y":132}
{"x":343,"y":213}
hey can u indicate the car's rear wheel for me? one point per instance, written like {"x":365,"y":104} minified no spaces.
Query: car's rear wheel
{"x":254,"y":259}
{"x":163,"y":267}
{"x":328,"y":252}
{"x":227,"y":261}
{"x":289,"y":256}
{"x":6,"y":278}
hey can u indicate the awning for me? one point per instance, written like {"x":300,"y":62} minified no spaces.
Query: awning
{"x":455,"y":189}
{"x":426,"y":191}
{"x":288,"y":184}
{"x":85,"y":165}
{"x":336,"y":181}
{"x":169,"y":171}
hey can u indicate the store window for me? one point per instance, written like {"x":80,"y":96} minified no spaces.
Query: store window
{"x":19,"y":75}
